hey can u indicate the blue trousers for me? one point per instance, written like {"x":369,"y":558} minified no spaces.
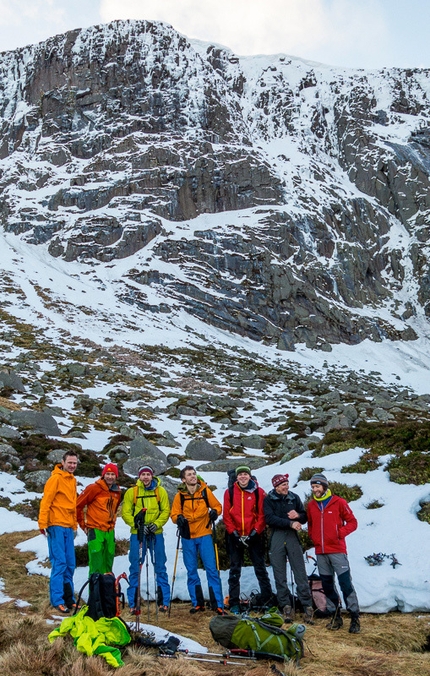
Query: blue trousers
{"x":204,"y":547}
{"x":61,"y":550}
{"x":153,"y":547}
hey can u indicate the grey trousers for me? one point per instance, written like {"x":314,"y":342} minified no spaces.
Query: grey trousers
{"x":284,"y":546}
{"x":328,"y":566}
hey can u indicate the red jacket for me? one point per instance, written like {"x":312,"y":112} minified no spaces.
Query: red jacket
{"x":329,"y":525}
{"x":97,"y":506}
{"x":244,"y":514}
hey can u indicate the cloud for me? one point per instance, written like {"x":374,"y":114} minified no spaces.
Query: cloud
{"x":24,"y":22}
{"x":307,"y":28}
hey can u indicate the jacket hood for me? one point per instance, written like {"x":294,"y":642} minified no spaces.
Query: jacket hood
{"x":101,"y":483}
{"x":250,"y":488}
{"x":59,"y":470}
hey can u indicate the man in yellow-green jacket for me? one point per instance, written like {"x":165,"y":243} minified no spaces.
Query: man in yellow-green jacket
{"x":147,"y":505}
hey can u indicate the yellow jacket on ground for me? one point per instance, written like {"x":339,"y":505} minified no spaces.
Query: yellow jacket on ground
{"x":95,"y":638}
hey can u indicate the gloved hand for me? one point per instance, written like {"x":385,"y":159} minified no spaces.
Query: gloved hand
{"x":213,"y":515}
{"x":150,"y":529}
{"x":42,"y":531}
{"x":252,"y":533}
{"x":236,"y":534}
{"x":139,"y":519}
{"x":181,"y":521}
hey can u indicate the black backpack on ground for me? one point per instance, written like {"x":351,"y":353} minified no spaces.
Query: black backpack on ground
{"x":104,"y":597}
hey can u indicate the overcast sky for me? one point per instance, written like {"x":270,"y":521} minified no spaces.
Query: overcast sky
{"x":357,"y":33}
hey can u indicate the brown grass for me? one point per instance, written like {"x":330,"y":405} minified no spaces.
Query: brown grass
{"x":388,"y":645}
{"x":7,"y":403}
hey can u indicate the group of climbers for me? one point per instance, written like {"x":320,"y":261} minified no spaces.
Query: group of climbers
{"x":246,"y":512}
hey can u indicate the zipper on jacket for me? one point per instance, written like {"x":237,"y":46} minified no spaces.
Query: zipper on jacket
{"x":322,"y":528}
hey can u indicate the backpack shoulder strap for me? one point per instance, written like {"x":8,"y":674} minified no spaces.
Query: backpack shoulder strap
{"x":205,"y":497}
{"x":156,"y":491}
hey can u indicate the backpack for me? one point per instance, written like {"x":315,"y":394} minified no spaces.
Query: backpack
{"x":262,"y":635}
{"x":322,"y":605}
{"x":104,"y":597}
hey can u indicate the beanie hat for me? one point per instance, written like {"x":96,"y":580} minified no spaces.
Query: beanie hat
{"x":145,"y":468}
{"x":110,"y":467}
{"x":319,"y":479}
{"x":243,"y":468}
{"x":279,"y":479}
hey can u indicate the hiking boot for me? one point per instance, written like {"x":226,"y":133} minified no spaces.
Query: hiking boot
{"x":335,"y":623}
{"x":197,"y":609}
{"x":163,"y":609}
{"x":220,"y":611}
{"x":289,"y":614}
{"x":354,"y":627}
{"x":308,"y":615}
{"x":62,"y":609}
{"x":235,"y":610}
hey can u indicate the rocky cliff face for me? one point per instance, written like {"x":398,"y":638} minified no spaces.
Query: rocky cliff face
{"x":314,"y":180}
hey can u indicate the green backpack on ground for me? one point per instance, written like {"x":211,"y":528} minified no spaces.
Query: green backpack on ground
{"x":262,"y":635}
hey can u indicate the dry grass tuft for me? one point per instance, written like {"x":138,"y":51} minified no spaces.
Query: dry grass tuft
{"x":7,"y":403}
{"x":31,"y":629}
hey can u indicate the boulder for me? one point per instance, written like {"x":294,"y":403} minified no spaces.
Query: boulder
{"x":171,"y":486}
{"x":231,"y":463}
{"x":35,"y":422}
{"x":37,"y":479}
{"x":201,"y":449}
{"x":12,"y":381}
{"x":131,"y":466}
{"x":55,"y":456}
{"x":7,"y":432}
{"x":140,"y":446}
{"x":253,"y":441}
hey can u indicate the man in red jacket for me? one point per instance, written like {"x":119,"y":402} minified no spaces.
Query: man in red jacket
{"x":330,"y":520}
{"x":243,"y":516}
{"x":97,"y":508}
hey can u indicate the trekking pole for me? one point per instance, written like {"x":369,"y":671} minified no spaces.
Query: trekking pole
{"x":292,"y":590}
{"x":147,"y":575}
{"x":174,"y":571}
{"x":214,"y":539}
{"x":139,"y":522}
{"x":225,"y":662}
{"x":152,"y":552}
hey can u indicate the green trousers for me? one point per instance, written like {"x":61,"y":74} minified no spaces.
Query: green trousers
{"x":101,"y":550}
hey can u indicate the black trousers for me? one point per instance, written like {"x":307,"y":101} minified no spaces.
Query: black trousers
{"x":256,"y":553}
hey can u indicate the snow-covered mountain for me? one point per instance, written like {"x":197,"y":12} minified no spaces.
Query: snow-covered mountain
{"x":272,"y":197}
{"x":199,"y":245}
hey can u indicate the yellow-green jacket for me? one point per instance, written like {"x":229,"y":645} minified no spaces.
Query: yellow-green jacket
{"x":95,"y":638}
{"x":154,"y":499}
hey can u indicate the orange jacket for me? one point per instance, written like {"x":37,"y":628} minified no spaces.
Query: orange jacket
{"x":194,"y":508}
{"x":101,"y":505}
{"x":58,"y":504}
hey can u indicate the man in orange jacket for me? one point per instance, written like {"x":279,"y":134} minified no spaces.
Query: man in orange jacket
{"x":195,"y":510}
{"x":97,"y":508}
{"x":57,"y":520}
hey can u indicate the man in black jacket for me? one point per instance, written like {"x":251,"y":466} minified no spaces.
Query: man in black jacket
{"x":285,"y":514}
